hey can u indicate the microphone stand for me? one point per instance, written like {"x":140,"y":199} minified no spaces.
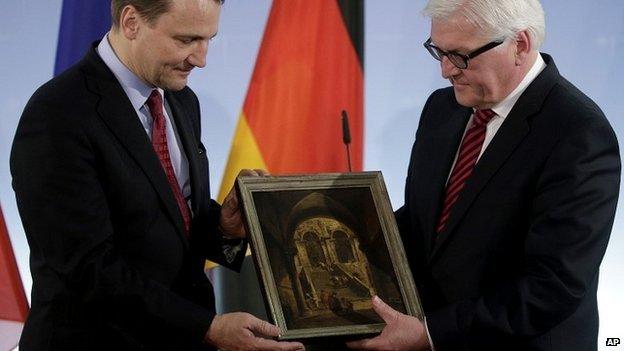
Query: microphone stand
{"x":346,"y":136}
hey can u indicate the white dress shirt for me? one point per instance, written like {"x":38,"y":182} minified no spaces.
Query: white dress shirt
{"x":502,"y":110}
{"x":138,"y":92}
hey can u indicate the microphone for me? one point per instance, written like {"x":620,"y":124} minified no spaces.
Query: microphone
{"x":346,"y":136}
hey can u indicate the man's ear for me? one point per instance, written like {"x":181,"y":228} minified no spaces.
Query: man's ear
{"x":129,"y":22}
{"x":524,"y":47}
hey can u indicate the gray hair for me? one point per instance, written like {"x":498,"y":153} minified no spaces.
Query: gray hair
{"x":499,"y":19}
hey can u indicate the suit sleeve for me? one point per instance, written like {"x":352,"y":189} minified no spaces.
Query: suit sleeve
{"x":407,"y":228}
{"x":229,"y":253}
{"x":65,"y":213}
{"x":214,"y":245}
{"x":573,"y":212}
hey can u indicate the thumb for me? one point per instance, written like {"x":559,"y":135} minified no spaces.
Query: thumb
{"x":264,"y":328}
{"x":387,"y":313}
{"x":231,"y":199}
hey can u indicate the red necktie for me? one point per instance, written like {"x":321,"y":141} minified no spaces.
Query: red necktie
{"x":159,"y":142}
{"x":466,"y":159}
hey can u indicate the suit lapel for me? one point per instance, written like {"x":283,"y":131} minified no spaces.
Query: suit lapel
{"x":117,"y":113}
{"x":442,"y":148}
{"x":509,"y":136}
{"x":189,"y":143}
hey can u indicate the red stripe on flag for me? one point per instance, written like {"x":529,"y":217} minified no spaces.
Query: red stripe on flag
{"x":13,"y":304}
{"x":307,"y":72}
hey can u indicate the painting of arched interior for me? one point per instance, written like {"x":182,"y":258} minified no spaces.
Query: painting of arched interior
{"x":328,"y":255}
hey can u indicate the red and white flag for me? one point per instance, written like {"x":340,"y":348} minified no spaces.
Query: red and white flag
{"x":13,"y":303}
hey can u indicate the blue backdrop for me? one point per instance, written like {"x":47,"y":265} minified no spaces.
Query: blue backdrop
{"x":82,"y":21}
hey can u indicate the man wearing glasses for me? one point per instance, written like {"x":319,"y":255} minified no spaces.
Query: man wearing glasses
{"x":510,"y":194}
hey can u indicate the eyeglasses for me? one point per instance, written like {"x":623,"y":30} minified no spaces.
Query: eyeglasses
{"x":459,"y":60}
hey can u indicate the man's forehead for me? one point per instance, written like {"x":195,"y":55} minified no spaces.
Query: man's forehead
{"x":454,"y":34}
{"x":194,"y":5}
{"x":193,"y":10}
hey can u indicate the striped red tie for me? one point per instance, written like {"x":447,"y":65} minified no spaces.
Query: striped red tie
{"x":159,"y":142}
{"x":467,"y":158}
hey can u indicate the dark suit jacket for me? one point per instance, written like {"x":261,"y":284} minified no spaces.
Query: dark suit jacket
{"x":516,"y":267}
{"x":112,"y":267}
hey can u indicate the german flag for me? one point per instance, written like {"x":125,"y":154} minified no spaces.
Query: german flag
{"x":13,"y":304}
{"x":309,"y":69}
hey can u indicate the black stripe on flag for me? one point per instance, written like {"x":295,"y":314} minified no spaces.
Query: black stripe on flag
{"x":353,"y":17}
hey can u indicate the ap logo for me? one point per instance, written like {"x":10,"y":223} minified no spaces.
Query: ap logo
{"x":613,"y":341}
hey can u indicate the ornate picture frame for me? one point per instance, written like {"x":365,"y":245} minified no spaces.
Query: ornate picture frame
{"x":323,"y":245}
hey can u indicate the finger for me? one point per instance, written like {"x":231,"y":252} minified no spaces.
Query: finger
{"x":231,"y":200}
{"x":264,"y":328}
{"x":266,"y":344}
{"x":247,"y":172}
{"x":356,"y":345}
{"x":365,"y":344}
{"x":229,"y":196}
{"x":387,"y":313}
{"x":262,"y":172}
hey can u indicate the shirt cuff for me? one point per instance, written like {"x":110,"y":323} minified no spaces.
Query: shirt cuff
{"x":428,"y":335}
{"x":230,"y":251}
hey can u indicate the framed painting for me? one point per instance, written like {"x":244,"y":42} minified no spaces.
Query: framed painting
{"x":323,"y":245}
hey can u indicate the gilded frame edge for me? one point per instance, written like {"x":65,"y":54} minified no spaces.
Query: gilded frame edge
{"x":246,"y":186}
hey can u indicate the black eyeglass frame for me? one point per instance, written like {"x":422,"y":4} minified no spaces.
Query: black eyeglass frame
{"x":438,"y":53}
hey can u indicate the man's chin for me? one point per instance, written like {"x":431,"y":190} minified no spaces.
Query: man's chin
{"x":174,"y":84}
{"x":463,"y":100}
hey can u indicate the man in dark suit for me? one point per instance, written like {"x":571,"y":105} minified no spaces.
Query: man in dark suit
{"x":510,"y":194}
{"x":111,"y":181}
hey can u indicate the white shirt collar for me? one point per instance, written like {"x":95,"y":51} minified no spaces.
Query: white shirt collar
{"x":503,"y":108}
{"x":136,"y":89}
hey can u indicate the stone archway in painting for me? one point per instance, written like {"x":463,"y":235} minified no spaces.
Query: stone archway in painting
{"x":330,"y":266}
{"x":314,"y":248}
{"x":343,"y":246}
